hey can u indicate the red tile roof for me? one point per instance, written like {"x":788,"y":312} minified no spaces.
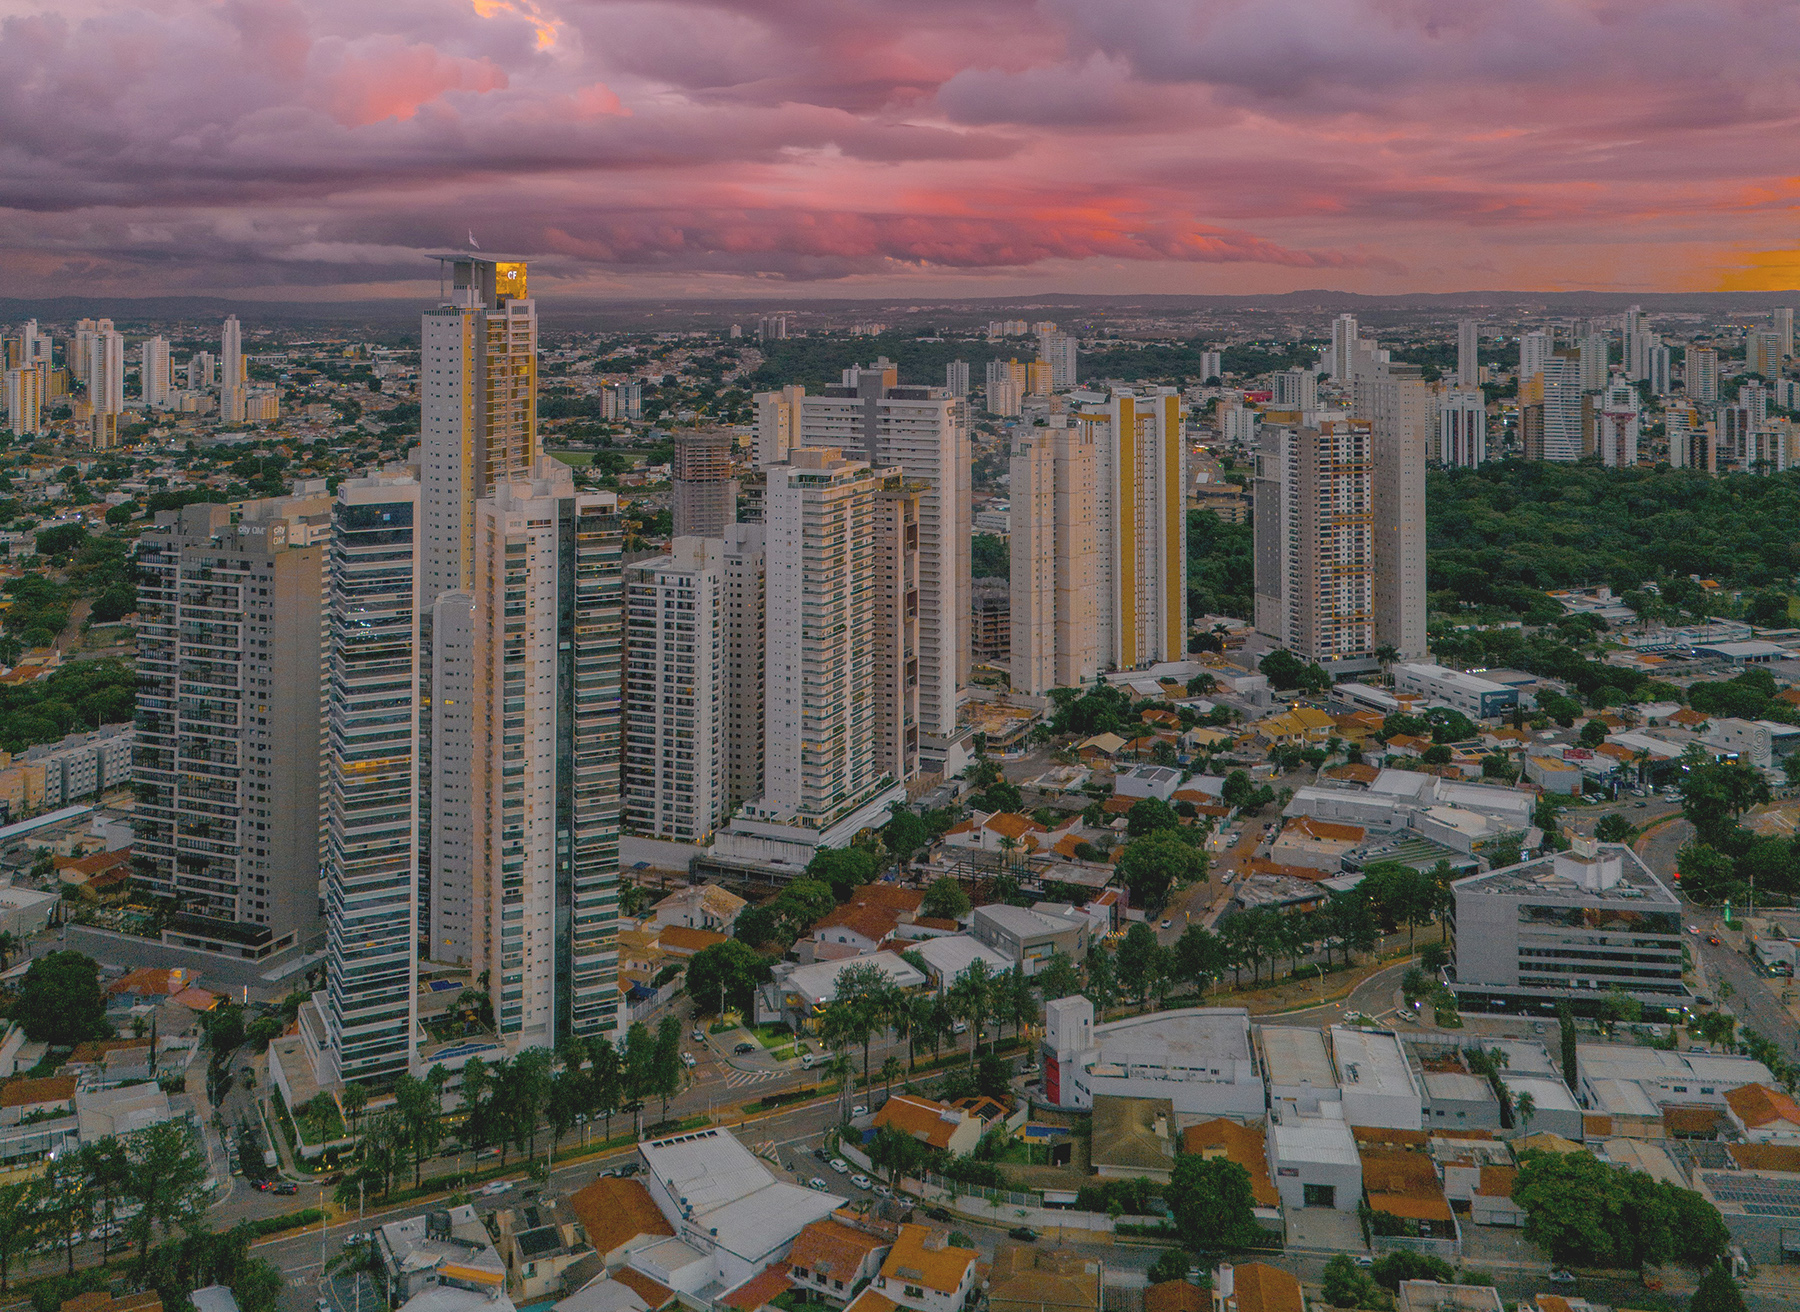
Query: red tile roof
{"x":759,"y":1289}
{"x":1758,"y":1105}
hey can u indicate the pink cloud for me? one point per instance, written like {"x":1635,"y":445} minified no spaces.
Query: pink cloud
{"x":162,"y":143}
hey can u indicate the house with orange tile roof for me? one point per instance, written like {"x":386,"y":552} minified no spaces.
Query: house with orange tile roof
{"x":1689,"y":719}
{"x":1408,"y":745}
{"x":936,"y":1124}
{"x":1354,"y":772}
{"x":924,"y":1271}
{"x":861,"y":925}
{"x":619,"y":1217}
{"x":1256,"y":1287}
{"x":1026,"y":1278}
{"x":1175,"y":1296}
{"x":1003,"y":831}
{"x":681,"y":943}
{"x":1764,"y":1115}
{"x":1405,"y":1184}
{"x":1491,"y":1201}
{"x":83,"y":870}
{"x":830,"y":1258}
{"x":759,"y":1291}
{"x":22,"y":1097}
{"x":1247,"y":1145}
{"x":655,"y":1294}
{"x":153,"y":982}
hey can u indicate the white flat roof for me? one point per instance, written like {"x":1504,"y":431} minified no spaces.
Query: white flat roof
{"x":1296,"y":1056}
{"x":1621,"y":1098}
{"x":1188,"y":1037}
{"x":1315,"y":1139}
{"x":1370,"y":1061}
{"x":725,"y":1188}
{"x":1547,"y":1092}
{"x":951,"y":954}
{"x":1455,"y":1086}
{"x":1610,"y":1061}
{"x":818,"y":981}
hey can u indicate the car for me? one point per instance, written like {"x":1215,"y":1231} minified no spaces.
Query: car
{"x":486,"y":1153}
{"x":699,"y":1035}
{"x":743,"y":1048}
{"x":839,"y":1165}
{"x":1537,"y":1027}
{"x":938,"y":1213}
{"x":1694,"y":929}
{"x":816,"y":1183}
{"x":357,"y":1237}
{"x":862,"y":1181}
{"x":821,"y":1155}
{"x":494,"y":1188}
{"x":323,"y":1305}
{"x":1362,"y":1259}
{"x":960,"y":1027}
{"x":688,"y":1060}
{"x":861,"y":1109}
{"x":1023,"y":1233}
{"x":285,"y":1187}
{"x":883,"y":1191}
{"x":1640,"y":804}
{"x":1561,"y":1278}
{"x":806,"y":1061}
{"x":1165,"y":924}
{"x":1713,"y":939}
{"x":264,"y":1185}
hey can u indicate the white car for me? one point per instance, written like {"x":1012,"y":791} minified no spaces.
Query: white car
{"x":839,"y":1165}
{"x":687,"y":1059}
{"x":884,"y":1191}
{"x":861,"y":1109}
{"x":816,"y":1183}
{"x":496,"y":1188}
{"x":862,"y":1181}
{"x":1694,"y":929}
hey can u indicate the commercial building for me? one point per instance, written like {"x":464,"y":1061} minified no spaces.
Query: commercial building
{"x":229,"y":737}
{"x":1315,"y":1162}
{"x":1198,"y":1058}
{"x":675,"y":685}
{"x":731,"y":1217}
{"x":548,"y":652}
{"x":1375,"y":1080}
{"x":704,"y":495}
{"x":1315,"y":540}
{"x":1029,"y":938}
{"x":924,"y":432}
{"x":1474,"y":696}
{"x":1567,"y":927}
{"x":372,"y":781}
{"x":1298,"y":1070}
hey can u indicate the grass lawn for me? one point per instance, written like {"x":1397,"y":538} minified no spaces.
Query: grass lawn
{"x":773,"y":1036}
{"x":574,"y":459}
{"x":782,"y":1054}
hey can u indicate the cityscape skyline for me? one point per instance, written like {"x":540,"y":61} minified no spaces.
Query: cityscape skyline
{"x":987,"y":147}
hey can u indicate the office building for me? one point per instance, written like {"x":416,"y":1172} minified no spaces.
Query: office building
{"x":704,"y":496}
{"x":1569,"y":926}
{"x":372,"y":781}
{"x":956,"y":378}
{"x":923,"y":431}
{"x":25,"y":400}
{"x":1296,"y":389}
{"x":1403,"y":427}
{"x":1701,"y":374}
{"x":1616,"y":419}
{"x":1343,"y":346}
{"x":743,"y":569}
{"x":1059,"y":351}
{"x":898,"y":510}
{"x":1462,"y":428}
{"x":477,"y":427}
{"x":1468,"y":353}
{"x":155,"y":378}
{"x":548,"y":656}
{"x":1314,"y":548}
{"x":1535,"y":349}
{"x":675,"y":685}
{"x":1054,"y":601}
{"x":777,"y":424}
{"x":229,"y":739}
{"x":233,"y":377}
{"x":819,"y":710}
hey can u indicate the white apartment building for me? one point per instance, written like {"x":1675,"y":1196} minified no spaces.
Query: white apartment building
{"x":1314,"y":549}
{"x":1343,"y":346}
{"x":1060,"y":351}
{"x":742,"y":568}
{"x":819,"y":712}
{"x":155,"y":377}
{"x":923,"y":431}
{"x":1054,"y":561}
{"x":1535,"y":349}
{"x":229,"y":735}
{"x":232,"y":374}
{"x":450,"y":908}
{"x":1468,"y":353}
{"x":675,"y":683}
{"x":1462,"y":428}
{"x":372,"y":780}
{"x":547,"y":660}
{"x":1295,"y":389}
{"x":1558,"y":426}
{"x":106,"y":372}
{"x":1702,"y":373}
{"x":477,"y":426}
{"x":1594,"y":352}
{"x":778,"y":424}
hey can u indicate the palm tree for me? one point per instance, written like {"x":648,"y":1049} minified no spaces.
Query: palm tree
{"x":1385,"y":656}
{"x":841,"y":1069}
{"x":971,"y":996}
{"x":890,"y":1071}
{"x":355,"y":1099}
{"x":9,"y":943}
{"x":1524,"y":1108}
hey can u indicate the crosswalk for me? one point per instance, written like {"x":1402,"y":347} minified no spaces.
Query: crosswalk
{"x":738,"y":1079}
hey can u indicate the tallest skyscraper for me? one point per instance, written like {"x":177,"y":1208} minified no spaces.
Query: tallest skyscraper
{"x":478,"y":429}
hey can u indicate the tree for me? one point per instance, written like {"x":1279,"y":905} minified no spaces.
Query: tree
{"x":1345,"y":1286}
{"x":999,"y":797}
{"x":1389,"y":1271}
{"x":420,"y":1106}
{"x":726,"y":975}
{"x":1238,"y":789}
{"x":1142,"y":960}
{"x":1579,"y":1209}
{"x":65,"y":1205}
{"x":844,"y":869}
{"x":317,"y":1115}
{"x":17,"y":1223}
{"x":945,"y":899}
{"x":1283,"y":669}
{"x":904,"y":834}
{"x":1524,"y":1108}
{"x":1616,"y":1006}
{"x":1565,"y":1020}
{"x":1102,"y":979}
{"x":1151,"y":866}
{"x":356,"y":1099}
{"x":1148,"y":815}
{"x":1714,"y":795}
{"x":60,"y":1001}
{"x":1717,"y":1292}
{"x":1170,"y":1264}
{"x":1707,"y":874}
{"x":897,"y":1153}
{"x":1211,"y":1197}
{"x":1058,"y":978}
{"x":970,"y":997}
{"x":164,"y":1174}
{"x":1613,"y":828}
{"x":604,"y":1088}
{"x":1593,"y":733}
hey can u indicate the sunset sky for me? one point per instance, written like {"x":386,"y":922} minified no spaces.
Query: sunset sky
{"x":929,"y":148}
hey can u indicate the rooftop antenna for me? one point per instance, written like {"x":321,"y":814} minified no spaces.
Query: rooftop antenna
{"x":472,"y":242}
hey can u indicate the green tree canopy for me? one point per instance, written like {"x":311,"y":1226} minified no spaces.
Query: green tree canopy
{"x":1211,"y":1197}
{"x":60,"y":1001}
{"x":731,"y":966}
{"x":945,"y":899}
{"x":1151,"y":866}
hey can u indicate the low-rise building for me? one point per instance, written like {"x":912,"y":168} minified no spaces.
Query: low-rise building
{"x":1316,"y":844}
{"x":830,"y":1259}
{"x":1375,"y":1081}
{"x":1474,"y":696}
{"x":537,"y":1248}
{"x":444,"y":1258}
{"x":863,"y":924}
{"x":1553,"y":774}
{"x":1029,"y":938}
{"x":1298,"y":1069}
{"x":935,"y":1124}
{"x":619,"y":1216}
{"x":702,"y":906}
{"x":1761,"y":1209}
{"x":1315,"y":1162}
{"x":1430,"y":1296}
{"x":1404,"y":1184}
{"x":1197,"y":1057}
{"x":1256,"y":1287}
{"x":798,"y":994}
{"x":1248,"y":1146}
{"x":1030,"y":1279}
{"x":1764,"y":1115}
{"x":1158,"y":781}
{"x":1133,"y":1138}
{"x":1553,"y":1108}
{"x":924,"y":1271}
